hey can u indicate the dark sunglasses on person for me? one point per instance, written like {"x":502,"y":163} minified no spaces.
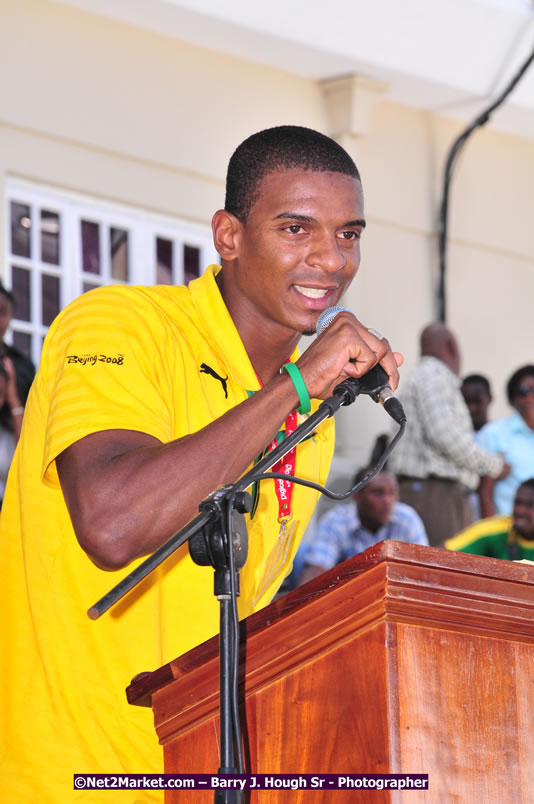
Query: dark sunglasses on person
{"x":525,"y":390}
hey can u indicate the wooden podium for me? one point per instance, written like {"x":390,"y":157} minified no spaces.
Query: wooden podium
{"x":403,"y":659}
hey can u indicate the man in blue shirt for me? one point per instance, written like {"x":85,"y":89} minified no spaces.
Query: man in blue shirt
{"x":373,"y":515}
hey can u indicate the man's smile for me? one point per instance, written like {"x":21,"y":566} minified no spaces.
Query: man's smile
{"x":313,"y":293}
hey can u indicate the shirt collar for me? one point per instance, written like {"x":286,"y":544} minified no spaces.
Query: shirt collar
{"x":220,"y":329}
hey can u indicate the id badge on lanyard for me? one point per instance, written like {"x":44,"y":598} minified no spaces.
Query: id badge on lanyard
{"x":278,"y":556}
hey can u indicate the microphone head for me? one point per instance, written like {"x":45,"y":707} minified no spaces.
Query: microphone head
{"x":328,"y":315}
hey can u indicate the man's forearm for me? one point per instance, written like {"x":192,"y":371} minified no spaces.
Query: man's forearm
{"x":127,"y":493}
{"x":485,"y":495}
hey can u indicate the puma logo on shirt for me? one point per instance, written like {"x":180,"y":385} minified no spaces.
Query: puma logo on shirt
{"x":205,"y":369}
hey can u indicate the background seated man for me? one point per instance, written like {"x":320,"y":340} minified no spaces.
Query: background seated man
{"x":510,"y":537}
{"x":373,"y":515}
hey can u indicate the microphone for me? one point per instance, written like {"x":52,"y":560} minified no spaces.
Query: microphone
{"x":328,"y":315}
{"x":374,"y":382}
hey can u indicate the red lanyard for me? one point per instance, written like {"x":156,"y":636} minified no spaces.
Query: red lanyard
{"x":286,"y":465}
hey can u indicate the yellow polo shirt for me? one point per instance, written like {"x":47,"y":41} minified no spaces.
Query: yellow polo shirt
{"x":128,"y":358}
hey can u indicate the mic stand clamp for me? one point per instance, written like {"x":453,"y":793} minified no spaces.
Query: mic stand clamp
{"x":227,"y":554}
{"x":209,"y":547}
{"x":371,"y":384}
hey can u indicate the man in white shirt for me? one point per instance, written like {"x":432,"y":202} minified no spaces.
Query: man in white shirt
{"x":437,"y":462}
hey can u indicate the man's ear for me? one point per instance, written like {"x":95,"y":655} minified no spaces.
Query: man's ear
{"x":226,"y":234}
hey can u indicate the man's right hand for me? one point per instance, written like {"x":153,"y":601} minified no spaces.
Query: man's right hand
{"x":505,"y":471}
{"x":345,"y":349}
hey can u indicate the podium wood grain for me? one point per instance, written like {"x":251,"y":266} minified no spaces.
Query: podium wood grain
{"x":404,"y":659}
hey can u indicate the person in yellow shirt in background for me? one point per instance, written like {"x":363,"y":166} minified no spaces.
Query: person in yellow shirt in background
{"x":509,"y":537}
{"x":148,"y":399}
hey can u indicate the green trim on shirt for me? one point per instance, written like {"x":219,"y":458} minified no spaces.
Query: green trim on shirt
{"x":492,"y":537}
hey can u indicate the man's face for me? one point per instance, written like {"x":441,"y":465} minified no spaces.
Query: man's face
{"x":376,"y":500}
{"x":477,"y":400}
{"x":523,"y":512}
{"x":299,"y":248}
{"x":523,"y":400}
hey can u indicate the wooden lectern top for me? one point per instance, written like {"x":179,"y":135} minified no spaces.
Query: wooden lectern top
{"x":391,"y":581}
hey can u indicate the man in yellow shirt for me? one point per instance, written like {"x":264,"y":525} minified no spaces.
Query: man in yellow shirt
{"x":147,"y":400}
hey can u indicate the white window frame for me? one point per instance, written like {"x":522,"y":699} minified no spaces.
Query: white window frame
{"x":143,"y":228}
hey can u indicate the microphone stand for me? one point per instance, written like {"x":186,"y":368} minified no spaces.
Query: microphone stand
{"x":214,"y":540}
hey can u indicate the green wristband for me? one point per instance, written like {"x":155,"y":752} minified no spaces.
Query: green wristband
{"x":300,"y":387}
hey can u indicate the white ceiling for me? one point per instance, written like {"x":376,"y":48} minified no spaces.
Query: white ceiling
{"x":450,"y":56}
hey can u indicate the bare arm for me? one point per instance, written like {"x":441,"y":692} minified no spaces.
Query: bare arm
{"x":127,"y":493}
{"x":485,"y":494}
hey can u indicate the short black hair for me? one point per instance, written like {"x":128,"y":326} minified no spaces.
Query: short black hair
{"x":479,"y":379}
{"x":361,"y":473}
{"x":529,"y":484}
{"x":279,"y":148}
{"x":515,"y":381}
